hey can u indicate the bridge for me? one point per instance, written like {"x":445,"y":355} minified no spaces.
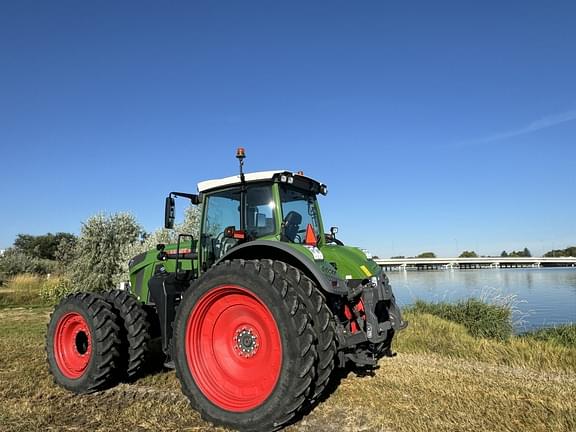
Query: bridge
{"x":472,"y":263}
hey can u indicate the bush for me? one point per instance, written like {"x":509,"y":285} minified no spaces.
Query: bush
{"x":55,"y":289}
{"x":564,"y":335}
{"x":101,"y":251}
{"x":479,"y":318}
{"x":14,"y":262}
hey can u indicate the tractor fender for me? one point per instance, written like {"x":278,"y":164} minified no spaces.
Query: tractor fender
{"x":275,"y":250}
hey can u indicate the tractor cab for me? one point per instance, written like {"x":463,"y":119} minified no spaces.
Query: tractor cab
{"x":271,"y":205}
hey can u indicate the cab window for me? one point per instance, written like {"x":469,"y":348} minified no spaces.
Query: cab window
{"x":298,"y":211}
{"x":260,"y":211}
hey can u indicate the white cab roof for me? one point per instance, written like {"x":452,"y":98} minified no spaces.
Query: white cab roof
{"x":228,"y":181}
{"x":249,"y":177}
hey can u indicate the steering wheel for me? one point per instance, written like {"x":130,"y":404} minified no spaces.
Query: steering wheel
{"x":218,"y":239}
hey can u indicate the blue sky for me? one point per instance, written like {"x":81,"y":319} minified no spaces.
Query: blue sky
{"x":438,"y":126}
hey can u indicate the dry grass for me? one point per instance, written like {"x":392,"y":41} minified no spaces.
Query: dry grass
{"x":22,"y":289}
{"x":476,"y":385}
{"x":33,"y":290}
{"x":417,"y":392}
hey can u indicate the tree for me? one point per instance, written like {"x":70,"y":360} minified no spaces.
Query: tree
{"x":191,"y":224}
{"x":42,"y":246}
{"x":427,"y":255}
{"x":504,"y":254}
{"x":66,"y":252}
{"x":522,"y":253}
{"x":468,"y":254}
{"x":101,"y":251}
{"x":568,"y":252}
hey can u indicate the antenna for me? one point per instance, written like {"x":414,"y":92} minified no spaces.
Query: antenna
{"x":241,"y":155}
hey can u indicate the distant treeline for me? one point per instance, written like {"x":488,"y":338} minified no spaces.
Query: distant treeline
{"x":568,"y":252}
{"x":522,"y":253}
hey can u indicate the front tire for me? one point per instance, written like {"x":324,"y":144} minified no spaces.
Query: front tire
{"x":244,"y":347}
{"x":82,"y":343}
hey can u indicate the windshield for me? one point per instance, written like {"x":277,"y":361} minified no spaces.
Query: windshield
{"x":298,"y":210}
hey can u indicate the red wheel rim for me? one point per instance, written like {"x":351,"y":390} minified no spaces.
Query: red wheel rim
{"x":72,"y":345}
{"x":233,"y":348}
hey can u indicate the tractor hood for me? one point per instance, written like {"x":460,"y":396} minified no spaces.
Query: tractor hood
{"x":350,"y":262}
{"x":342,"y":262}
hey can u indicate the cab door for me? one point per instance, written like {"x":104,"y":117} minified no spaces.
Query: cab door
{"x":221,"y":210}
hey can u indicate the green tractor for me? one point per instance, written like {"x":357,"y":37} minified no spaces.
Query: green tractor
{"x":254,"y":315}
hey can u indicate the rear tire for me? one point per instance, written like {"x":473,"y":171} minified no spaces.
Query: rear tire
{"x":244,"y":347}
{"x":135,"y":354}
{"x":82,"y":343}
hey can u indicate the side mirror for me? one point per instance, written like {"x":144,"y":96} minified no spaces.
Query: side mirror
{"x":169,"y":212}
{"x":333,"y":231}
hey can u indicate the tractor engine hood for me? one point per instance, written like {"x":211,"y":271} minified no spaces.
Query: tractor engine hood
{"x":350,"y":262}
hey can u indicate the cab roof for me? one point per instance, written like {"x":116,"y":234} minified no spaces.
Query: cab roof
{"x":249,"y":178}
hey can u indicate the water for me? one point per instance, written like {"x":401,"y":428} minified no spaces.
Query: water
{"x":542,"y":297}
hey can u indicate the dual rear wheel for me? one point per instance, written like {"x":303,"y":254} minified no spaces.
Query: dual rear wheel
{"x":93,"y":341}
{"x":254,"y":343}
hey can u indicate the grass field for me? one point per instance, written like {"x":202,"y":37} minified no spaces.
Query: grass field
{"x":443,"y":379}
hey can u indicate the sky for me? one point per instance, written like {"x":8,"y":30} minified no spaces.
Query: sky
{"x":437,"y":126}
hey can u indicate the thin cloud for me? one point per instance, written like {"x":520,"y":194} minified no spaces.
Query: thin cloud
{"x":542,"y":123}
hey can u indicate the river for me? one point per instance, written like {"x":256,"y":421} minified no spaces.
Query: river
{"x":540,"y":297}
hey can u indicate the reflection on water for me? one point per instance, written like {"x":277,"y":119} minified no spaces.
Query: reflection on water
{"x":542,"y":296}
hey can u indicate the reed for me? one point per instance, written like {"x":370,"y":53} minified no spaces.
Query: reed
{"x":480,"y":318}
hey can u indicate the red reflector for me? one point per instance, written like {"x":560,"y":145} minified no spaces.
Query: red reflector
{"x":182,"y":251}
{"x":239,"y":235}
{"x":310,"y":239}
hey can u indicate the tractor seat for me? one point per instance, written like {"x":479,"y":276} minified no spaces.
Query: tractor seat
{"x":292,"y":223}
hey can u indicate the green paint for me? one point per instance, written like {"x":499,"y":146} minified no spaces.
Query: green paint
{"x":344,"y":262}
{"x":349,"y":261}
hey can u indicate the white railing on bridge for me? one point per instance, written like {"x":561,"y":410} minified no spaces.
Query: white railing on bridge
{"x":485,"y":261}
